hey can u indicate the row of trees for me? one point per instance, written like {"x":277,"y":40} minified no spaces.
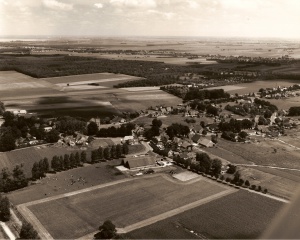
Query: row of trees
{"x":196,"y":93}
{"x":39,"y":169}
{"x":203,"y":164}
{"x":12,"y":181}
{"x":124,"y":130}
{"x":58,"y":163}
{"x":110,"y":152}
{"x":235,"y":125}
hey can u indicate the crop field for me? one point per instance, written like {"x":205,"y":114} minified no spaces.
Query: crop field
{"x":61,"y":182}
{"x":103,"y":79}
{"x":280,"y":182}
{"x":245,"y":88}
{"x":241,"y":215}
{"x":125,"y":203}
{"x":49,"y":97}
{"x":28,"y":156}
{"x":263,"y":153}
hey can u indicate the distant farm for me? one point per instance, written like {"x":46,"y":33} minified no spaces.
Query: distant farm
{"x":89,"y":95}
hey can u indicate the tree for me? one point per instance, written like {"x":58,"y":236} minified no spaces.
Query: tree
{"x":259,"y":189}
{"x":100,"y":153}
{"x":28,"y":232}
{"x":125,"y":149}
{"x":231,"y":169}
{"x":72,"y":160}
{"x":94,"y":156}
{"x":92,"y":128}
{"x":119,"y":150}
{"x":35,"y":171}
{"x":156,"y":123}
{"x":67,"y":161}
{"x":7,"y":142}
{"x":46,"y":165}
{"x":4,"y":209}
{"x":77,"y":159}
{"x":265,"y":191}
{"x":107,"y":230}
{"x":247,"y":183}
{"x":54,"y":163}
{"x":204,"y":162}
{"x":113,"y":151}
{"x":237,"y":176}
{"x":83,"y":157}
{"x":20,"y":180}
{"x":52,"y":136}
{"x":216,"y":166}
{"x":106,"y":153}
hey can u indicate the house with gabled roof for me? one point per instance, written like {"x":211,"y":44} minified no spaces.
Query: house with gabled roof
{"x":206,"y":142}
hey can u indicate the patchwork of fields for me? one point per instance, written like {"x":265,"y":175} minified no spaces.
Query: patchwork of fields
{"x":89,"y":95}
{"x":125,"y":203}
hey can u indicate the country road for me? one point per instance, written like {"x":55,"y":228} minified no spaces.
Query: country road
{"x":7,"y":231}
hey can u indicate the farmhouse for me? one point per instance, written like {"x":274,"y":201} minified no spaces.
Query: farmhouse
{"x":206,"y":143}
{"x":138,"y":162}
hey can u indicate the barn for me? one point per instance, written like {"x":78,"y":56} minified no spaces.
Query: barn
{"x":139,"y":162}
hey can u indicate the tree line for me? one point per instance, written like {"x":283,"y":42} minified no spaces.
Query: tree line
{"x":203,"y":164}
{"x":10,"y":181}
{"x":110,"y":152}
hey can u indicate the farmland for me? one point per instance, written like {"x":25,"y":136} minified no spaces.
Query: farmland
{"x":240,"y":215}
{"x":60,"y":183}
{"x":81,"y":214}
{"x":52,"y":97}
{"x":279,"y":182}
{"x":28,"y":156}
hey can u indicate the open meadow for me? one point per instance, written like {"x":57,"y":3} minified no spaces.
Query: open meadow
{"x":241,"y":215}
{"x":27,"y":156}
{"x":67,"y":181}
{"x":281,"y":182}
{"x":125,"y":203}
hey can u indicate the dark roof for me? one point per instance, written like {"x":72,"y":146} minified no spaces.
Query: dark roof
{"x":196,"y":138}
{"x":135,"y":162}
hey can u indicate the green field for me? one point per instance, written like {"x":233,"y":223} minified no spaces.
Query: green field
{"x":28,"y":156}
{"x":241,"y":215}
{"x":124,"y":203}
{"x":60,"y":183}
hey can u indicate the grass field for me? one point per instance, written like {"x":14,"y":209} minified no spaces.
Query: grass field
{"x":28,"y":156}
{"x":60,"y":183}
{"x":278,"y":181}
{"x":240,"y":215}
{"x":124,"y":203}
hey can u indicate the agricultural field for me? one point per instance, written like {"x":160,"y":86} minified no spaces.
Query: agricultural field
{"x":280,"y":182}
{"x":61,"y":182}
{"x":52,"y":97}
{"x":27,"y":156}
{"x":241,"y":215}
{"x":77,"y":215}
{"x":245,"y":88}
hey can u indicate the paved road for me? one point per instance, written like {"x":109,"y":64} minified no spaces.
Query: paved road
{"x":266,"y":166}
{"x":7,"y":231}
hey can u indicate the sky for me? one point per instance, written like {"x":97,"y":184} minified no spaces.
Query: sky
{"x":217,"y":18}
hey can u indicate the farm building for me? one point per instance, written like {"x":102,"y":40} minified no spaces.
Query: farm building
{"x":206,"y":143}
{"x":137,"y":162}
